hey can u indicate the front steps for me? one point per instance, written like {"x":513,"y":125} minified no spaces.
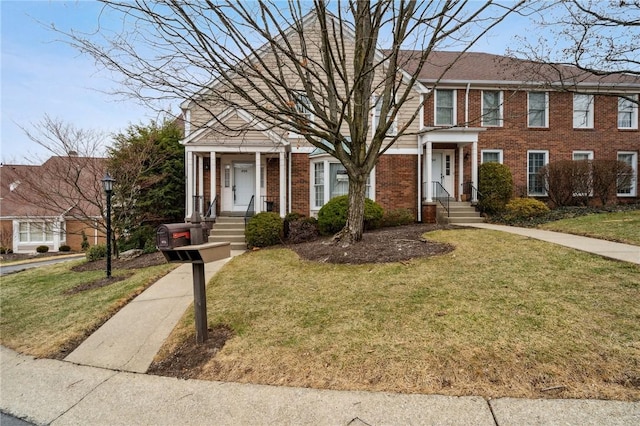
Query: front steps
{"x":229,"y":229}
{"x":459,"y":212}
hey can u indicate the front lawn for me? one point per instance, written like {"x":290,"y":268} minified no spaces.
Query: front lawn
{"x":46,"y":312}
{"x":621,"y":226}
{"x":501,"y":315}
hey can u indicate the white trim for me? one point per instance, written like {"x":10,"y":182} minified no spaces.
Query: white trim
{"x":634,"y":182}
{"x":634,"y":113}
{"x":500,"y":108}
{"x":492,"y":151}
{"x":590,"y":111}
{"x":546,"y":109}
{"x":588,"y":153}
{"x":546,"y":161}
{"x":454,"y":117}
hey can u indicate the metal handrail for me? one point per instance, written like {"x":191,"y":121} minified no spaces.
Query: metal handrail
{"x":250,"y":211}
{"x":474,"y":194}
{"x":212,"y":210}
{"x":442,"y":196}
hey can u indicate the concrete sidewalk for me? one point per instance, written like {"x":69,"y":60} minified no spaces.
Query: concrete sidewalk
{"x":609,"y":249}
{"x":130,"y":339}
{"x":45,"y":391}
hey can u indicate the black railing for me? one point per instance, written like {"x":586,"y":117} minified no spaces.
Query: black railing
{"x":212,"y":211}
{"x":442,"y":196}
{"x":250,"y":211}
{"x":471,"y":191}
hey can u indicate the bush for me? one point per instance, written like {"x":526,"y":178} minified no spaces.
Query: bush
{"x":64,"y":248}
{"x":5,"y":250}
{"x":42,"y":249}
{"x":610,"y":177}
{"x":302,"y":229}
{"x":290,"y":217}
{"x":495,"y":183}
{"x":85,"y":242}
{"x":567,"y":182}
{"x":96,"y":252}
{"x":264,"y":229}
{"x":141,"y":237}
{"x":333,"y":216}
{"x":397,"y":217}
{"x":525,"y":208}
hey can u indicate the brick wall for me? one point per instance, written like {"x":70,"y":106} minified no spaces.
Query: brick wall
{"x":300,"y":183}
{"x":397,"y":182}
{"x":515,"y":138}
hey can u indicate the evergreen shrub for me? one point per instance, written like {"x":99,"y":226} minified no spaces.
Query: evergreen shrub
{"x":264,"y":229}
{"x":332,"y":217}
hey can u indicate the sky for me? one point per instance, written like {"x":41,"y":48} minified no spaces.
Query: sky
{"x":42,"y":75}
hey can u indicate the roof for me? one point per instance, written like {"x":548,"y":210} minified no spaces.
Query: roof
{"x":476,"y":67}
{"x":61,"y":186}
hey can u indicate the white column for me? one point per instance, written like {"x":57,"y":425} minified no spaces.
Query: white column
{"x":429,"y":171}
{"x":474,"y":170}
{"x":460,"y":171}
{"x":420,"y":172}
{"x":257,"y":201}
{"x":283,"y":182}
{"x":213,"y":181}
{"x":189,"y":183}
{"x":200,"y":205}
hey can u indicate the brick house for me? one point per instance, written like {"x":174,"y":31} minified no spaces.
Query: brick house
{"x":29,"y":218}
{"x":484,"y":108}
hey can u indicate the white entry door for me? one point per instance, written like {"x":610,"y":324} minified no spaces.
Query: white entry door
{"x":244,"y":182}
{"x":442,"y":169}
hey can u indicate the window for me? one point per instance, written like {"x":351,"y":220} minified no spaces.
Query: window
{"x":628,"y":112}
{"x":35,"y":232}
{"x":582,"y":111}
{"x":393,"y":129}
{"x":538,"y":111}
{"x":535,"y":161}
{"x":336,"y":185}
{"x":627,"y":188}
{"x":318,"y":183}
{"x":584,"y":176}
{"x":445,"y":107}
{"x":492,"y":156}
{"x":582,"y":155}
{"x":492,"y":108}
{"x":303,"y":106}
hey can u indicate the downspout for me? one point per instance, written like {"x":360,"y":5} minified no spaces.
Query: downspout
{"x":421,"y":125}
{"x":466,"y":106}
{"x":289,"y":184}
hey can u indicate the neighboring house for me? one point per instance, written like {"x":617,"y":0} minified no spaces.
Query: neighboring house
{"x":484,"y":108}
{"x":51,"y":204}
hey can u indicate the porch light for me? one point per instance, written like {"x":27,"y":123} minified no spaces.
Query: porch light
{"x":107,"y":184}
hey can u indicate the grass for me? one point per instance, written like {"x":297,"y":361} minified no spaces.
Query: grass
{"x":501,"y":315}
{"x":39,"y":319}
{"x":617,"y":226}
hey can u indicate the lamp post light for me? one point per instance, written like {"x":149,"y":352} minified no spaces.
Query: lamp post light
{"x":107,"y":184}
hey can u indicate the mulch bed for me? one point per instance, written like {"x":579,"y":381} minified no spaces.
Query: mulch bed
{"x":396,"y":244}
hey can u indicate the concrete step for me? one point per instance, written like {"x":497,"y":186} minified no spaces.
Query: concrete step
{"x":463,"y":213}
{"x":223,"y":230}
{"x":456,"y":220}
{"x":215,"y":238}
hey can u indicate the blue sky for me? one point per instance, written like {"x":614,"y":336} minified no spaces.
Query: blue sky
{"x":42,"y":75}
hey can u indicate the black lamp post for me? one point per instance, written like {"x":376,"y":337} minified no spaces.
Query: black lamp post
{"x":107,"y":184}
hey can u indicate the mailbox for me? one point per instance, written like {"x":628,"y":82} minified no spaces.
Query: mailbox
{"x":171,"y":235}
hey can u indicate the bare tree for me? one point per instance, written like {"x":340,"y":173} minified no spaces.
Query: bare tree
{"x":311,"y":68}
{"x":69,"y":182}
{"x":585,"y":40}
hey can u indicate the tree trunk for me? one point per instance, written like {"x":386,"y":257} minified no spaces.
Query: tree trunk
{"x":352,"y":231}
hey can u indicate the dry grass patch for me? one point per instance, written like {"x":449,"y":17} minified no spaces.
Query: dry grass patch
{"x":44,"y":314}
{"x":501,"y":315}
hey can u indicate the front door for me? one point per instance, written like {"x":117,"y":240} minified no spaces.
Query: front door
{"x":244,"y":182}
{"x":442,"y":170}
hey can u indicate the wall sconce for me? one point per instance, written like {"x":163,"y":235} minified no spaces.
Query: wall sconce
{"x":466,"y":155}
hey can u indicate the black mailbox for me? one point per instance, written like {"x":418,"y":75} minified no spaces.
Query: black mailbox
{"x":171,"y":235}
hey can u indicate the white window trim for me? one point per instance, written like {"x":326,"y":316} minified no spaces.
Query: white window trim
{"x":634,"y":113}
{"x":393,"y":130}
{"x":327,"y":160}
{"x":546,"y":161}
{"x":589,"y":154}
{"x":590,"y":114}
{"x":455,"y":108}
{"x":546,"y":110}
{"x":309,"y":114}
{"x":634,"y":182}
{"x":501,"y":113}
{"x":43,"y":225}
{"x":491,"y":151}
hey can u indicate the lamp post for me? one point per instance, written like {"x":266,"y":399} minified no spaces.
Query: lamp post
{"x":107,"y":184}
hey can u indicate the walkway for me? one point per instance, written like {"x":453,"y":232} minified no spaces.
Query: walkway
{"x":618,"y":251}
{"x":131,"y":338}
